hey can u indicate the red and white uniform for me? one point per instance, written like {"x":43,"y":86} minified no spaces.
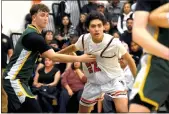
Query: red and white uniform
{"x":105,"y":75}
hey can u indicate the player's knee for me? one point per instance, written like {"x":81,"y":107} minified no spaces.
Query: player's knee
{"x":122,"y":109}
{"x":122,"y":105}
{"x":84,"y":109}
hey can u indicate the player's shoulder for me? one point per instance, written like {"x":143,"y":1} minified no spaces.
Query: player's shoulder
{"x":85,"y":36}
{"x":116,"y":41}
{"x":107,"y":37}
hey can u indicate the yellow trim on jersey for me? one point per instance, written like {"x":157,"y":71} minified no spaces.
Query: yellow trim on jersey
{"x":23,"y":90}
{"x":21,"y":65}
{"x":30,"y":26}
{"x":142,"y":97}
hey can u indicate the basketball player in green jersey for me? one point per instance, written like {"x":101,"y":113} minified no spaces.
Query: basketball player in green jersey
{"x":20,"y":67}
{"x":150,"y":90}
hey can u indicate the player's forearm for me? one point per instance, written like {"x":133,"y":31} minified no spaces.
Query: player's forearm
{"x":158,"y":17}
{"x":160,"y":20}
{"x":68,"y":49}
{"x":65,"y":58}
{"x":132,"y":66}
{"x":145,"y":40}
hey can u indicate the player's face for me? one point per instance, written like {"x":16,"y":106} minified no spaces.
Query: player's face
{"x":96,"y":29}
{"x":41,"y":19}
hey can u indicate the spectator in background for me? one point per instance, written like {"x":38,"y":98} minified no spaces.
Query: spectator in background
{"x":73,"y":81}
{"x":114,"y":10}
{"x":81,"y":28}
{"x":64,"y":31}
{"x":108,"y":28}
{"x":47,"y":78}
{"x":126,"y":13}
{"x":74,"y":7}
{"x":136,"y":52}
{"x":101,"y":7}
{"x":63,"y":38}
{"x":89,"y":7}
{"x":133,"y":6}
{"x":116,"y":34}
{"x":48,"y":35}
{"x":127,"y":35}
{"x":28,"y":20}
{"x":54,"y":45}
{"x":127,"y":73}
{"x":6,"y":50}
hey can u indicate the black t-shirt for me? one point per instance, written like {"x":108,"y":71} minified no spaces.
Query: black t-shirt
{"x":47,"y":77}
{"x":35,"y":42}
{"x":6,"y":44}
{"x":127,"y":38}
{"x":149,"y":5}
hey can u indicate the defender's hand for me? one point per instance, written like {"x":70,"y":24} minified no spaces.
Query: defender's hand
{"x":87,"y":58}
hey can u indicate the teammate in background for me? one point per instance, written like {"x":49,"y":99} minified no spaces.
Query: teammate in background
{"x":6,"y":51}
{"x":105,"y":75}
{"x":149,"y":91}
{"x":21,"y":64}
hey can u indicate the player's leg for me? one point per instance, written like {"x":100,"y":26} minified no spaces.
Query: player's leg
{"x":149,"y":90}
{"x":89,"y":98}
{"x":138,"y":106}
{"x":117,"y":90}
{"x":20,"y":98}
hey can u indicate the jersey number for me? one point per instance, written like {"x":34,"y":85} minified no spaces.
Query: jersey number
{"x":93,"y":69}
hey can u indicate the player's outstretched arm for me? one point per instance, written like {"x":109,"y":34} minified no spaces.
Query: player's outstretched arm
{"x":69,"y":49}
{"x":67,"y":58}
{"x":160,"y":16}
{"x":142,"y":37}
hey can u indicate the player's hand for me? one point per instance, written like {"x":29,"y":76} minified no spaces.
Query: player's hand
{"x":87,"y":58}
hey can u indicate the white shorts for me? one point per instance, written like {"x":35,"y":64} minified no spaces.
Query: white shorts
{"x":116,"y":88}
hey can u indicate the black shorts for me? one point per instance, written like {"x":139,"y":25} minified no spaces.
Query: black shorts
{"x":20,"y":98}
{"x":152,"y":82}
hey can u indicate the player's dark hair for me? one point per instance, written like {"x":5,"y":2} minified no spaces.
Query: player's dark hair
{"x":38,"y":7}
{"x":95,"y":15}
